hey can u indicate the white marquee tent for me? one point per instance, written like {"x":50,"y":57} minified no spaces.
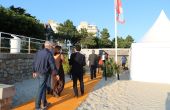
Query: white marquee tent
{"x":160,"y":31}
{"x":150,"y":58}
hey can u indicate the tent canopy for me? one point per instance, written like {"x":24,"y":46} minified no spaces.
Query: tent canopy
{"x":149,"y":60}
{"x":160,"y":31}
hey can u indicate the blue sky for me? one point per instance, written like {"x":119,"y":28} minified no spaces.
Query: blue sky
{"x":139,"y":14}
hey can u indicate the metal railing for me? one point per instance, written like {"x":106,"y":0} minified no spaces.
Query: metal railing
{"x":12,"y":43}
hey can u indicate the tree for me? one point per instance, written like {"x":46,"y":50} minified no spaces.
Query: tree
{"x":128,"y":41}
{"x":113,"y":43}
{"x":68,"y":31}
{"x":89,"y":41}
{"x":123,"y":43}
{"x":97,"y":40}
{"x":17,"y":10}
{"x":104,"y":41}
{"x":84,"y":35}
{"x":120,"y":42}
{"x":15,"y":21}
{"x":20,"y":11}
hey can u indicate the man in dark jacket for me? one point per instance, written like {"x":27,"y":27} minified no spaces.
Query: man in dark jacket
{"x":77,"y":61}
{"x":93,"y":63}
{"x":43,"y":64}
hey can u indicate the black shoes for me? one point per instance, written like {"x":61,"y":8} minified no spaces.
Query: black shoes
{"x":50,"y":92}
{"x":76,"y":95}
{"x":82,"y":93}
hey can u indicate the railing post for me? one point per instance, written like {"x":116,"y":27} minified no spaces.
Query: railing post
{"x":29,"y":46}
{"x":0,"y":42}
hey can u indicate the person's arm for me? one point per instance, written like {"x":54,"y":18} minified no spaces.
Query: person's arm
{"x":71,"y":60}
{"x":33,"y":64}
{"x":51,"y":61}
{"x":34,"y":74}
{"x":89,"y":57}
{"x":84,"y":61}
{"x":62,"y":58}
{"x":53,"y":66}
{"x":96,"y":60}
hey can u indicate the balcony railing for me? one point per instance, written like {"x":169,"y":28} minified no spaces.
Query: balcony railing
{"x":12,"y":43}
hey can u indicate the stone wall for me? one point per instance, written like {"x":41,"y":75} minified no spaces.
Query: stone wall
{"x":15,"y":67}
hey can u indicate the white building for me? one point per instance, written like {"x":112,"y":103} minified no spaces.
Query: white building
{"x":54,"y":25}
{"x":90,"y":28}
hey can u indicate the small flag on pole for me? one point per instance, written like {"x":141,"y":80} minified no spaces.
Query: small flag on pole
{"x":119,"y":11}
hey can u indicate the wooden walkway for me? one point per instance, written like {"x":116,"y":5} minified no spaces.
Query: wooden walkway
{"x":66,"y":101}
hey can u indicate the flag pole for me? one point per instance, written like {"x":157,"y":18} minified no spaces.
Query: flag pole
{"x":115,"y":31}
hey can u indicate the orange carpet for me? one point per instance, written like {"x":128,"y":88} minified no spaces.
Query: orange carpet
{"x":66,"y":101}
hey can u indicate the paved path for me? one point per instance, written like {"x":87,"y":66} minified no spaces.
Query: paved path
{"x":66,"y":101}
{"x":25,"y":91}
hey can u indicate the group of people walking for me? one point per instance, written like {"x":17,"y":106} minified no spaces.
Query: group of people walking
{"x":48,"y":69}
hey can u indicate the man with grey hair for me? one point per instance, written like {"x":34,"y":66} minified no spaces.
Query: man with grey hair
{"x":51,"y":46}
{"x":43,"y":64}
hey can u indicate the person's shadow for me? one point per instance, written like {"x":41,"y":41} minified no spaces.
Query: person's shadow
{"x":168,"y":102}
{"x":125,"y":75}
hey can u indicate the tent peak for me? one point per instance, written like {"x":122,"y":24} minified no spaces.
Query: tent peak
{"x":162,"y":14}
{"x":160,"y":30}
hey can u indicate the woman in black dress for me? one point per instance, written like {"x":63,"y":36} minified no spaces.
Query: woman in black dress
{"x":58,"y":85}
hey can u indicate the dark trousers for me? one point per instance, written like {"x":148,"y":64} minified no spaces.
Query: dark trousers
{"x":93,"y":71}
{"x":123,"y":65}
{"x":41,"y":94}
{"x":80,"y":78}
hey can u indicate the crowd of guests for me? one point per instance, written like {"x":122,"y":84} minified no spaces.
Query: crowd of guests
{"x":48,"y":69}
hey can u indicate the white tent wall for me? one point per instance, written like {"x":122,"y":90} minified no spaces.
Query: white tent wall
{"x":150,"y":62}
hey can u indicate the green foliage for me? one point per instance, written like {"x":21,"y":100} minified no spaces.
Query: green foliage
{"x":123,"y":42}
{"x":116,"y":68}
{"x":84,"y":35}
{"x":17,"y":21}
{"x":112,"y":68}
{"x":128,"y":41}
{"x":20,"y":11}
{"x":89,"y":41}
{"x":68,"y":31}
{"x":104,"y":39}
{"x":109,"y":68}
{"x":66,"y":65}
